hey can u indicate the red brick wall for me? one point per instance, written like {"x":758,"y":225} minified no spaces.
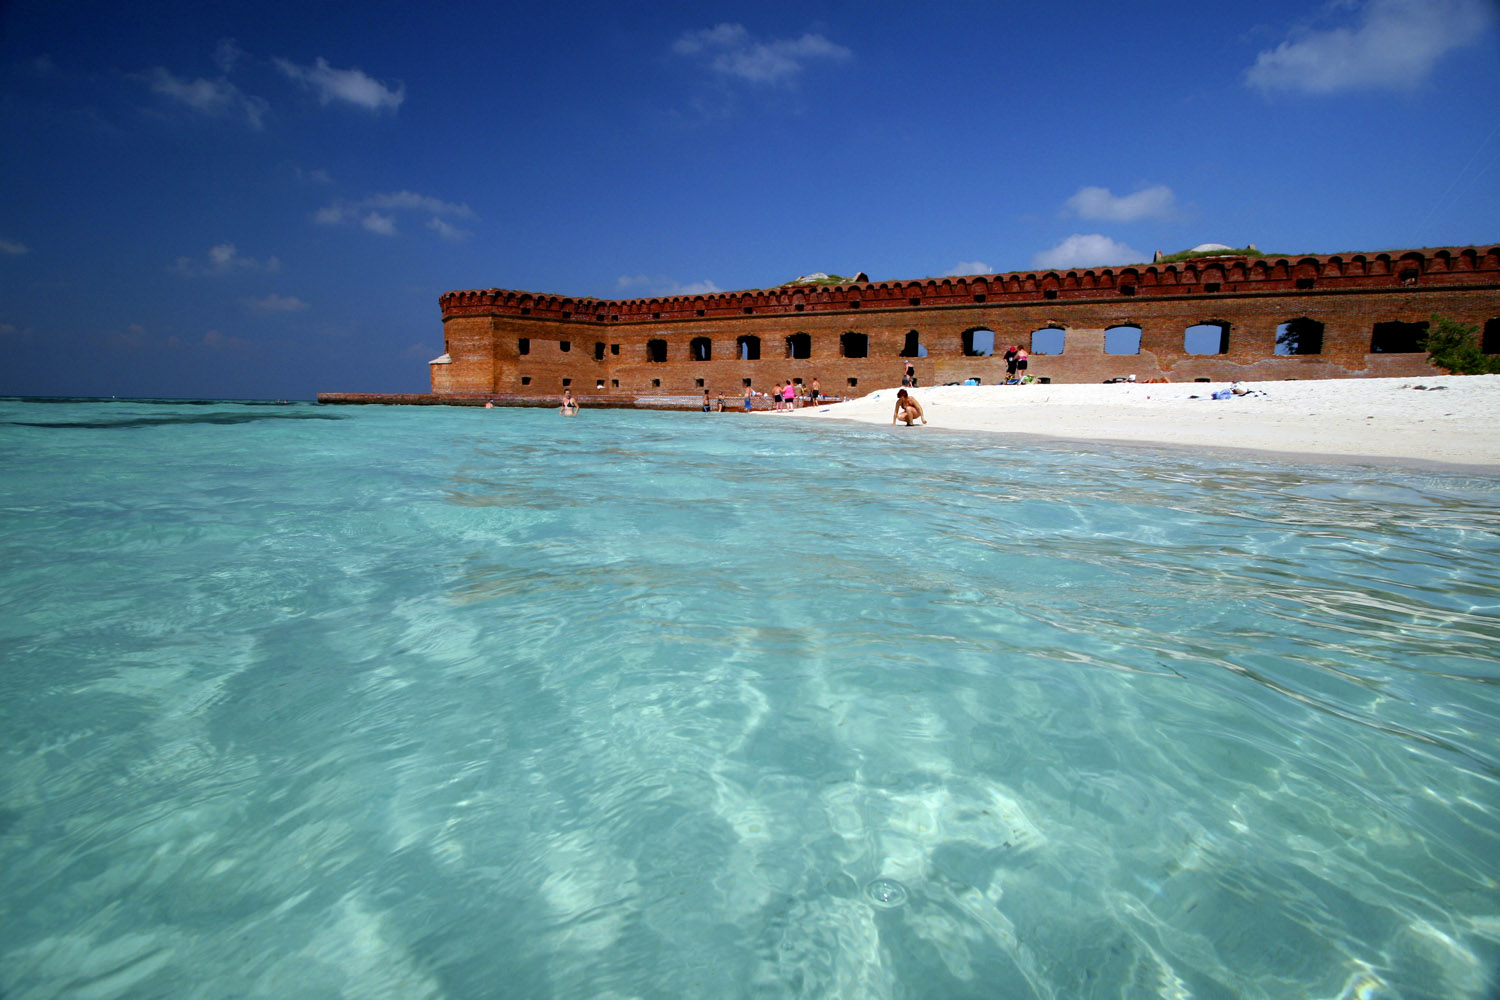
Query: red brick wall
{"x":1348,"y":294}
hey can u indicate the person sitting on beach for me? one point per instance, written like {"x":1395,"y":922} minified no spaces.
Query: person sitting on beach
{"x":569,"y":406}
{"x":907,"y":408}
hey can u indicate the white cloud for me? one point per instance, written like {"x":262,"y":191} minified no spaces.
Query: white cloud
{"x":274,"y":303}
{"x":447,"y":230}
{"x":222,"y":258}
{"x":315,"y":176}
{"x":665,"y":286}
{"x":13,"y":249}
{"x":692,"y":288}
{"x":228,"y":55}
{"x":213,"y":98}
{"x":208,"y":96}
{"x":1102,"y":204}
{"x":385,"y":225}
{"x":410,"y":199}
{"x":378,"y":212}
{"x":351,"y":86}
{"x":719,"y":36}
{"x":731,"y":50}
{"x":1087,"y":250}
{"x":1394,"y":45}
{"x":214,"y":338}
{"x":967,"y":267}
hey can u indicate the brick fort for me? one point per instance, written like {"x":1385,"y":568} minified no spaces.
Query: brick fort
{"x":1225,"y":316}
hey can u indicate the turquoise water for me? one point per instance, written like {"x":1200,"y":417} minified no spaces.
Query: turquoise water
{"x":431,"y":702}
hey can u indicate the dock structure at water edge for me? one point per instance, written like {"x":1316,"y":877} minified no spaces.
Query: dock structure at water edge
{"x":1223,"y":315}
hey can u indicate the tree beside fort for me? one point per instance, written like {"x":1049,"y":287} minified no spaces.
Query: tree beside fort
{"x":1455,"y":346}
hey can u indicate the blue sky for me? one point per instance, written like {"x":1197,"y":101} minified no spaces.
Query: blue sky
{"x":265,"y":200}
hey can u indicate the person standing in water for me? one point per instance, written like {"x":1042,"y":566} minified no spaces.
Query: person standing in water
{"x":569,"y":406}
{"x":907,"y":409}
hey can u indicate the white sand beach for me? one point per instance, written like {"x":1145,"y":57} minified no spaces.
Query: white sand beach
{"x":1449,"y":419}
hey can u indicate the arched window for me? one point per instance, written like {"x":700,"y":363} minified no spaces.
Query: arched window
{"x":1206,"y":338}
{"x":799,"y":345}
{"x":1299,"y":336}
{"x":656,"y":351}
{"x":1048,"y":340}
{"x":913,"y":347}
{"x":854,"y":345}
{"x":1122,"y":340}
{"x":979,"y":342}
{"x":701,"y":349}
{"x":748,"y":348}
{"x":1489,"y":341}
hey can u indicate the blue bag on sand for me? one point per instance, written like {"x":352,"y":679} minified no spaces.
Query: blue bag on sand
{"x":1222,"y":394}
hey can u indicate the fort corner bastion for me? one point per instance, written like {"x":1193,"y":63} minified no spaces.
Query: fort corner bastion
{"x":1224,"y":317}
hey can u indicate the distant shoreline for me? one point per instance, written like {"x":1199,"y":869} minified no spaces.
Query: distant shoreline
{"x":1440,"y":421}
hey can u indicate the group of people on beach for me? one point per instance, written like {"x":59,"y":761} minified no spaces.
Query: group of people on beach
{"x":786,"y":396}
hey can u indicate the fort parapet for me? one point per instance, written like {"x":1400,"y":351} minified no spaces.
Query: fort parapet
{"x":1220,"y":317}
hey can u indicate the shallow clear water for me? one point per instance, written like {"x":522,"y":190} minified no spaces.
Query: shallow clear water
{"x":430,"y":702}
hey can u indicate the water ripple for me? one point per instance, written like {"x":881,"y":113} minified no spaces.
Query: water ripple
{"x":418,"y":701}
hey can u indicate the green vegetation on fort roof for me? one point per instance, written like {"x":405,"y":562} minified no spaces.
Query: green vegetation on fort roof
{"x":819,"y":278}
{"x":1181,"y":255}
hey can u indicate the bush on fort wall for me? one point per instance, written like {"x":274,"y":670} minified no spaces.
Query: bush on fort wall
{"x":1455,"y":346}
